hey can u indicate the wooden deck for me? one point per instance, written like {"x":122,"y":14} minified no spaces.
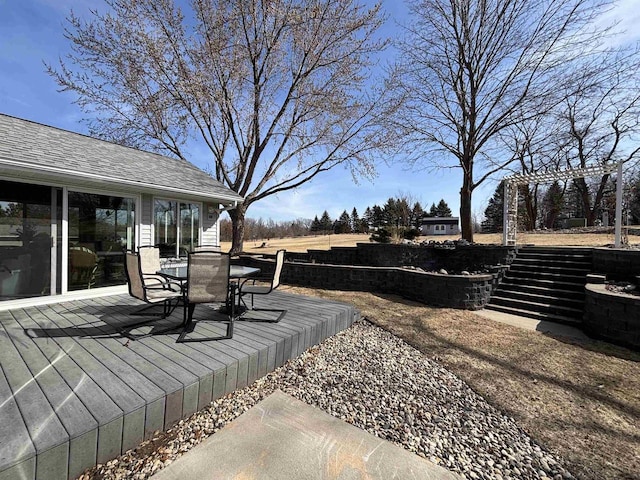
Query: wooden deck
{"x":74,"y":392}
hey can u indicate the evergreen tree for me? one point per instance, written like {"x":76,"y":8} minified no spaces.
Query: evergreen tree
{"x":316,"y":226}
{"x":390,"y":213}
{"x":342,"y":225}
{"x":377,"y":216}
{"x":443,"y":210}
{"x":326,"y":223}
{"x":355,"y":221}
{"x":367,"y":218}
{"x":552,"y":203}
{"x":494,"y":213}
{"x":528,"y":207}
{"x":433,"y":211}
{"x":574,"y":205}
{"x":416,"y":215}
{"x":397,"y":212}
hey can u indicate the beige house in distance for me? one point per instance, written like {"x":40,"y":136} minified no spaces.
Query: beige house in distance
{"x":440,"y":226}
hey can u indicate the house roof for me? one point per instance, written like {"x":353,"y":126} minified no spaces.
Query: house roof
{"x":30,"y":150}
{"x":440,"y":220}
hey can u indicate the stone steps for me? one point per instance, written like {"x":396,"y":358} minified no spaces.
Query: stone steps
{"x":545,"y":283}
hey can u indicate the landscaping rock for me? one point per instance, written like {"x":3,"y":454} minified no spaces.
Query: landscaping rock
{"x":375,"y":381}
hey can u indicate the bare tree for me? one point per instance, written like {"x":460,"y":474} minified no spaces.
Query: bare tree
{"x":601,"y":119}
{"x":536,"y":145}
{"x":470,"y":69}
{"x":277,"y":91}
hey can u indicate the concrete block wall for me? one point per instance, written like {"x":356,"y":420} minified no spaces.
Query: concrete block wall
{"x":612,"y":316}
{"x":470,"y":257}
{"x":470,"y":292}
{"x":617,"y":264}
{"x":454,"y":291}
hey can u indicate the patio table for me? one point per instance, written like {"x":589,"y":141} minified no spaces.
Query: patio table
{"x":180,"y":273}
{"x":236,"y":273}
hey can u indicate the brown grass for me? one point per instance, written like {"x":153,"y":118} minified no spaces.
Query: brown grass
{"x":578,"y":400}
{"x":325,"y":242}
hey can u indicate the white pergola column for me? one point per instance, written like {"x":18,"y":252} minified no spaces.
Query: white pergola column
{"x":618,"y":229}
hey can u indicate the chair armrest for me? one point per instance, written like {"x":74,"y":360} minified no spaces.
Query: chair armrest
{"x":169,"y":285}
{"x":254,"y":279}
{"x":154,"y":276}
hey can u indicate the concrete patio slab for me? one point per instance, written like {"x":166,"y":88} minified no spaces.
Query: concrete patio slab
{"x":282,"y":437}
{"x":552,"y":328}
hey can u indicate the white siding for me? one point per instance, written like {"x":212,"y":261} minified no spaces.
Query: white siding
{"x":146,"y":221}
{"x":210,"y":225}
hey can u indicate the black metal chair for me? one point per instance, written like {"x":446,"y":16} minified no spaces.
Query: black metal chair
{"x":156,"y":293}
{"x":263,"y":286}
{"x":208,"y":282}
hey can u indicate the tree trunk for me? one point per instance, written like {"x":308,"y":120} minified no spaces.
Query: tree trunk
{"x":466,"y":222}
{"x":237,"y":227}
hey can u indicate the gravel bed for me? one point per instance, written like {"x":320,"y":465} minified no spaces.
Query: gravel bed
{"x":375,"y":381}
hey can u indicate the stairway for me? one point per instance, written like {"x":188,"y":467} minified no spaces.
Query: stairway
{"x":545,"y":283}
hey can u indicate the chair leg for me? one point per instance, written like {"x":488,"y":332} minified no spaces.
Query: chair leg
{"x":188,"y":326}
{"x":254,"y":309}
{"x":168,"y":308}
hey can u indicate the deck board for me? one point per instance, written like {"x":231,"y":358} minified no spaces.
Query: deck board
{"x":49,"y":437}
{"x":78,"y":422}
{"x":75,"y":392}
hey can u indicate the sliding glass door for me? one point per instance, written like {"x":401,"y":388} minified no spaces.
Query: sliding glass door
{"x":30,"y":218}
{"x":100,"y":228}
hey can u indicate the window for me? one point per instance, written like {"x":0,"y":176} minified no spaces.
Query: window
{"x":100,"y":228}
{"x":177,"y":227}
{"x":30,"y":218}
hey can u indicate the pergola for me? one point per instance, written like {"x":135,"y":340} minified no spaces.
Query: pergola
{"x":511,"y":183}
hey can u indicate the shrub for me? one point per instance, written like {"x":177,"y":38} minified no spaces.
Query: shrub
{"x":382,"y":235}
{"x":411,"y":234}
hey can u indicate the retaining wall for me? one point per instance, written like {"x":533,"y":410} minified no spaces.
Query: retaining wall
{"x":462,"y":257}
{"x":617,"y":264}
{"x":375,"y":267}
{"x":612,"y":316}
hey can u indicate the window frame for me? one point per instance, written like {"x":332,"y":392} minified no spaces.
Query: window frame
{"x":178,"y":201}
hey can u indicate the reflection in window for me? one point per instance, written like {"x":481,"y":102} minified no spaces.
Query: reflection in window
{"x":25,"y":239}
{"x":176,"y":238}
{"x":100,"y":227}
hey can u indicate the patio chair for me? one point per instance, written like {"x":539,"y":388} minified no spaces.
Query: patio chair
{"x":83,"y":264}
{"x":208,"y":282}
{"x":150,"y":264}
{"x":166,"y":294}
{"x":266,"y":285}
{"x":207,"y":248}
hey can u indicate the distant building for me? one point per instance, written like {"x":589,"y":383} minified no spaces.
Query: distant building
{"x":439,"y":226}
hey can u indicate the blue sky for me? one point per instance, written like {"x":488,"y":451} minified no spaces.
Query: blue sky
{"x":31,"y":32}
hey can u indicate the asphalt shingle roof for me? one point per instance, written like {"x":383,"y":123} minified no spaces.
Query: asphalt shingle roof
{"x":48,"y":148}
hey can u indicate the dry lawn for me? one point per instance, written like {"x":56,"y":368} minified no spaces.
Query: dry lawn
{"x":325,"y":242}
{"x":578,"y":400}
